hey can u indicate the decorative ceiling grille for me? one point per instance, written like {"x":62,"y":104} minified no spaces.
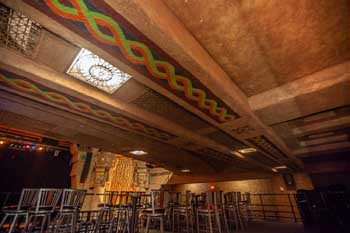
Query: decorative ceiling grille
{"x":226,"y":139}
{"x":266,"y":146}
{"x":229,"y":160}
{"x":153,"y":101}
{"x":261,"y":158}
{"x":18,"y":32}
{"x":94,"y":70}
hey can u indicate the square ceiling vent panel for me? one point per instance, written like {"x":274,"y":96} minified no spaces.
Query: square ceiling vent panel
{"x":95,"y":71}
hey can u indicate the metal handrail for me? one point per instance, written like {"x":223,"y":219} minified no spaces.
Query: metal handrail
{"x":264,"y":212}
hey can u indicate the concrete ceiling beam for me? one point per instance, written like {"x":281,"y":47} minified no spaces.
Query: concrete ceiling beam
{"x":317,"y":92}
{"x":343,"y":121}
{"x":320,"y":148}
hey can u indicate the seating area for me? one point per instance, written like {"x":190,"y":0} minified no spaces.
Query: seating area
{"x":57,"y":210}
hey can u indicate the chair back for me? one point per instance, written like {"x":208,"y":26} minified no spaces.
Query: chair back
{"x":28,"y":199}
{"x":209,"y":199}
{"x":188,"y":200}
{"x":47,"y":199}
{"x":110,"y":198}
{"x":219,"y":198}
{"x":72,"y":199}
{"x":123,"y":199}
{"x":213,"y":199}
{"x":232,"y":198}
{"x":228,"y":198}
{"x":144,"y":200}
{"x":247,"y":198}
{"x":157,"y":200}
{"x":238,"y":197}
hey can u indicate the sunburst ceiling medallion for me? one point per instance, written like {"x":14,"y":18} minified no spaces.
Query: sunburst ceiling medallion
{"x":92,"y":69}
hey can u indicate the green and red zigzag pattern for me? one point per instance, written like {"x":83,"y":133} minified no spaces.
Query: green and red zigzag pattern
{"x":138,"y":53}
{"x":25,"y":86}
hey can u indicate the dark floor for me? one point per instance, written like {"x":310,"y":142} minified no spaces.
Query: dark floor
{"x":273,"y":227}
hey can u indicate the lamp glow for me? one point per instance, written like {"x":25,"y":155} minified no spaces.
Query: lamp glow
{"x":185,"y":170}
{"x":247,"y":150}
{"x":138,"y":152}
{"x":238,"y":154}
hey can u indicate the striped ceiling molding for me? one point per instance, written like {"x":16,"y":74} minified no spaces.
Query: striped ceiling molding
{"x":96,"y":21}
{"x":23,"y":85}
{"x":265,"y":145}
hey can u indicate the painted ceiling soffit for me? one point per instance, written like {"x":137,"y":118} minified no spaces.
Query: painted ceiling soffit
{"x":23,"y":85}
{"x":99,"y":23}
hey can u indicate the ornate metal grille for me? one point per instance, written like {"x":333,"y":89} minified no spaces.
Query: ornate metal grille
{"x":97,"y":72}
{"x":18,"y":32}
{"x":123,"y":175}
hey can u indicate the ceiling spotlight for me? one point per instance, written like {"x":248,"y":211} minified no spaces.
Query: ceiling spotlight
{"x":247,"y":150}
{"x":138,"y":152}
{"x":238,"y":154}
{"x":40,"y":148}
{"x":2,"y":142}
{"x":280,"y":167}
{"x":185,"y":170}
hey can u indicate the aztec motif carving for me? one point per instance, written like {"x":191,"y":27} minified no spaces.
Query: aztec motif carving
{"x":99,"y":23}
{"x":26,"y":86}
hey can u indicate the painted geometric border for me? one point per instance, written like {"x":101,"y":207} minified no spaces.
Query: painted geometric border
{"x":21,"y":84}
{"x":99,"y":23}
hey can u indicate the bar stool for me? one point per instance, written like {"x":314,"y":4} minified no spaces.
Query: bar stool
{"x":157,"y":212}
{"x":87,"y":221}
{"x":208,"y":218}
{"x":71,"y":202}
{"x":46,"y":203}
{"x":106,"y":217}
{"x":183,"y":215}
{"x":231,"y":210}
{"x":244,"y":208}
{"x":122,"y":211}
{"x":27,"y":201}
{"x":220,"y":203}
{"x":104,"y":222}
{"x":234,"y":210}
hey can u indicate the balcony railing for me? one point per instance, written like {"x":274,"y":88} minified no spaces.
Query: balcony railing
{"x":275,"y":207}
